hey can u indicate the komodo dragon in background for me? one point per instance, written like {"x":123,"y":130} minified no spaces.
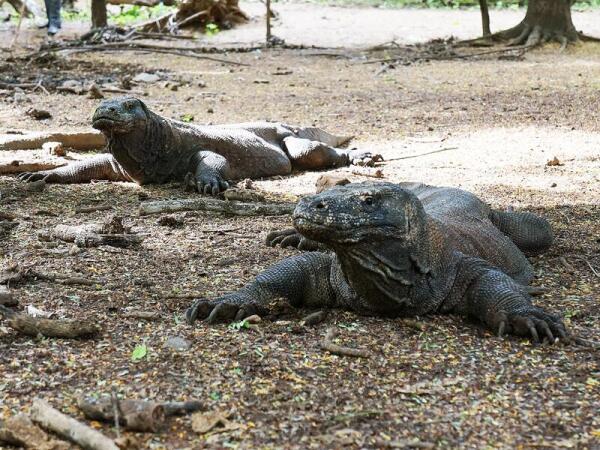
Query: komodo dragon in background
{"x":147,"y":148}
{"x":405,"y":249}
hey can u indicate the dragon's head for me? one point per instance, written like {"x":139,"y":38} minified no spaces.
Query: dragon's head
{"x":359,"y":212}
{"x":119,"y":115}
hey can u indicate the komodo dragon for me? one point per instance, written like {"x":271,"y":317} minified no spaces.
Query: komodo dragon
{"x":147,"y":148}
{"x":405,"y":249}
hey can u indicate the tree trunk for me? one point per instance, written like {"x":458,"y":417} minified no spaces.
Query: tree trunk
{"x":544,"y":20}
{"x":99,"y":18}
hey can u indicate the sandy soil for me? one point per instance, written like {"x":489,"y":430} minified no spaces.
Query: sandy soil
{"x":493,"y":126}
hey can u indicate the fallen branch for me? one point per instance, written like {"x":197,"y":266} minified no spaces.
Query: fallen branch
{"x":54,"y":328}
{"x":422,"y":154}
{"x":6,"y":297}
{"x":112,"y":232}
{"x":188,"y":52}
{"x":90,"y":209}
{"x":69,"y":428}
{"x":143,"y":315}
{"x":376,"y":173}
{"x":84,"y":140}
{"x":134,"y":415}
{"x":328,"y":345}
{"x":20,"y":431}
{"x":182,"y":408}
{"x":222,"y":206}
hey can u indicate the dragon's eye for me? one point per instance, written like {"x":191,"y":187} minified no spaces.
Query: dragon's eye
{"x":368,"y":200}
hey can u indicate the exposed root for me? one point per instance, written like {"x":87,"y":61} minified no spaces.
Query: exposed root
{"x":527,"y":36}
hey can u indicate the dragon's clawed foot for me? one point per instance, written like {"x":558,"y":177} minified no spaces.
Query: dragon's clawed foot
{"x":364,"y":158}
{"x":209,"y":184}
{"x":224,"y":309}
{"x":534,"y":323}
{"x":33,"y":176}
{"x":290,"y":238}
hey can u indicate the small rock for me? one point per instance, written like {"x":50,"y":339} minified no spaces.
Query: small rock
{"x":210,"y":110}
{"x":35,"y":186}
{"x":553,"y":185}
{"x":38,"y":114}
{"x":6,"y":297}
{"x":54,"y":148}
{"x":170,"y":221}
{"x":73,"y":86}
{"x":126,"y":83}
{"x":177,"y":343}
{"x":174,"y":87}
{"x":554,"y":162}
{"x":325,"y":182}
{"x":261,"y":81}
{"x":74,"y":250}
{"x":282,"y":71}
{"x":94,"y":92}
{"x":201,"y":84}
{"x":146,"y":77}
{"x":20,"y":97}
{"x":246,"y":183}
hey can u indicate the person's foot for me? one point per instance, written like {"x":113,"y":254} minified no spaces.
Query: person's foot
{"x":52,"y":30}
{"x":40,"y":22}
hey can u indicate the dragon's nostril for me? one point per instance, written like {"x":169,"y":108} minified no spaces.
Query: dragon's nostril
{"x":320,"y":205}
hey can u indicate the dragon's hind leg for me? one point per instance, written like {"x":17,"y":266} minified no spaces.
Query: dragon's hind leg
{"x":531,"y":233}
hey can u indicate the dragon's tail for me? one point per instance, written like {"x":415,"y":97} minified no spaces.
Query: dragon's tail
{"x":316,"y":134}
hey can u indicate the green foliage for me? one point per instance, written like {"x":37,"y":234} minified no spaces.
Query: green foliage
{"x":211,"y":29}
{"x":139,"y":352}
{"x":242,"y":324}
{"x":187,"y":117}
{"x":455,"y":4}
{"x":133,"y":13}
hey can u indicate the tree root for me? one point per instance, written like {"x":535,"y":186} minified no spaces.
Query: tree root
{"x":526,"y":36}
{"x":328,"y":345}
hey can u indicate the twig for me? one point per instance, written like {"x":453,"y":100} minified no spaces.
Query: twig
{"x":328,"y":345}
{"x":565,"y":264}
{"x":377,"y":173}
{"x":445,"y":149}
{"x":114,"y":400}
{"x":69,"y":428}
{"x":592,"y":268}
{"x":268,"y":21}
{"x":144,"y":315}
{"x":18,"y":30}
{"x":89,"y":209}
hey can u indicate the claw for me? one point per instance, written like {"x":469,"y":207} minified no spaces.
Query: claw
{"x":545,"y":330}
{"x":222,"y":312}
{"x":532,"y":331}
{"x":501,"y":328}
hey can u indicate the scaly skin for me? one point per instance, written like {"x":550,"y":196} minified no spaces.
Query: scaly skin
{"x":401,"y":250}
{"x":147,"y":148}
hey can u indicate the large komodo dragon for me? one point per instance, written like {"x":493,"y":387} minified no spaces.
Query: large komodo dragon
{"x":147,"y":148}
{"x":405,"y":249}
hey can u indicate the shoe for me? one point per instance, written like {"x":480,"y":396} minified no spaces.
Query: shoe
{"x":40,"y":22}
{"x":52,"y":30}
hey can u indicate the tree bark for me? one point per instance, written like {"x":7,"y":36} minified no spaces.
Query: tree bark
{"x":545,"y":20}
{"x":99,"y":17}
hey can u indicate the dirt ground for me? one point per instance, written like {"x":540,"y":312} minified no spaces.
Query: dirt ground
{"x":487,"y":125}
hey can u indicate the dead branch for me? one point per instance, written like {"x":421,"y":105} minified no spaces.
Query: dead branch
{"x":143,"y":315}
{"x":17,"y":166}
{"x":89,"y":209}
{"x":112,"y":232}
{"x":314,"y":318}
{"x":328,"y":345}
{"x":62,"y":279}
{"x":587,"y":343}
{"x":20,"y":431}
{"x":137,"y":46}
{"x":373,"y":173}
{"x":84,"y":140}
{"x":221,"y":206}
{"x":182,"y":408}
{"x":54,"y":328}
{"x":135,"y":415}
{"x":445,"y":149}
{"x":69,"y":428}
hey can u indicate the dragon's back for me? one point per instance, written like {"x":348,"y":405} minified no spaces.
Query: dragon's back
{"x":464,"y":221}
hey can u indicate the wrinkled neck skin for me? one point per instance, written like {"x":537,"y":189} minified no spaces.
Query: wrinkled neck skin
{"x":148,"y":152}
{"x":391,"y":276}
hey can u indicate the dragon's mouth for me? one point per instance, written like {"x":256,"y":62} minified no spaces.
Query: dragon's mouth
{"x":103,"y":123}
{"x":318,"y":231}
